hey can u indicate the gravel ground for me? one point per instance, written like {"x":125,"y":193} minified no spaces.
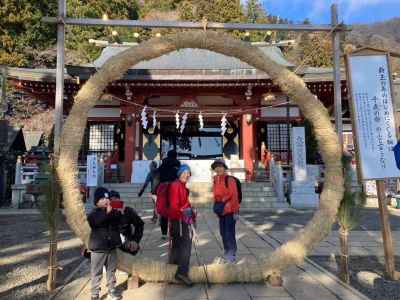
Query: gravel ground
{"x":294,"y":220}
{"x":24,"y":256}
{"x":382,"y":289}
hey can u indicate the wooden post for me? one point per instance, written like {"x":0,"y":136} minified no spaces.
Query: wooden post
{"x":130,"y":141}
{"x":58,"y":119}
{"x":3,"y":86}
{"x":386,"y":231}
{"x":58,"y":112}
{"x":247,"y":144}
{"x":336,"y":75}
{"x":288,"y":130}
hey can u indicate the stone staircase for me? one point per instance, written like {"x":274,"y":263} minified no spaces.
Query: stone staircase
{"x":260,"y":175}
{"x":256,"y":195}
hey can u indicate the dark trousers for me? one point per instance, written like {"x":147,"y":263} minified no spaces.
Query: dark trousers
{"x":164,"y":225}
{"x":97,"y":261}
{"x":181,"y":246}
{"x":227,"y":229}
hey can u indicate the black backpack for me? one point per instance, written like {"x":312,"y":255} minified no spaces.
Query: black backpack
{"x":238,"y":186}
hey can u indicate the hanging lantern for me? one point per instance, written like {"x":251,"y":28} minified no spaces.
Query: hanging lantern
{"x":201,"y":121}
{"x":224,"y":121}
{"x":177,"y":119}
{"x":144,"y":117}
{"x":184,"y":119}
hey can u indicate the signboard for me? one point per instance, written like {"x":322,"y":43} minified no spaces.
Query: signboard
{"x":201,"y":170}
{"x":92,"y":170}
{"x":140,"y":168}
{"x":372,"y":115}
{"x":299,"y":154}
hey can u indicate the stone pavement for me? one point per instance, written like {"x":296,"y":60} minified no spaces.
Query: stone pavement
{"x":309,"y":281}
{"x":365,"y":240}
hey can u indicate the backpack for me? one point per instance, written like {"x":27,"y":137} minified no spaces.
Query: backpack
{"x":162,"y":202}
{"x":238,"y":186}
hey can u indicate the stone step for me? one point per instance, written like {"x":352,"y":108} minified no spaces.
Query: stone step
{"x":244,"y":205}
{"x":204,"y":189}
{"x":138,"y":185}
{"x":254,"y":194}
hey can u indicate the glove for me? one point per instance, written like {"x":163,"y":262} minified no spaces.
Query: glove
{"x":188,"y":212}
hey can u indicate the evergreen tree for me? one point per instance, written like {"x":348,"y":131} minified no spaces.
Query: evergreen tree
{"x":215,"y":11}
{"x":77,"y":38}
{"x":255,"y":13}
{"x":22,"y":33}
{"x":315,"y":49}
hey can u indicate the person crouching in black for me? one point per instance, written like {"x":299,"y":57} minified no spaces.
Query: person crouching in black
{"x":131,"y":225}
{"x":103,"y":243}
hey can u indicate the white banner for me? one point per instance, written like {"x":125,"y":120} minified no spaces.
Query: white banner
{"x":92,"y":170}
{"x":299,"y":154}
{"x":140,"y":169}
{"x":373,"y":115}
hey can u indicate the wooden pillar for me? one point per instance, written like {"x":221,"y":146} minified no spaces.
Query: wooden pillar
{"x":336,"y":75}
{"x":58,"y":111}
{"x":130,"y":145}
{"x":3,"y":91}
{"x":248,"y":147}
{"x":386,"y":231}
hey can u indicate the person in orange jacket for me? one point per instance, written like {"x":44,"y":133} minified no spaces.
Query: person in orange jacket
{"x":181,"y":216}
{"x":226,"y":197}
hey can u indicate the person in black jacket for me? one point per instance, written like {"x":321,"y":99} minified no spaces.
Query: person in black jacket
{"x":131,"y":225}
{"x":169,"y":167}
{"x":168,"y":173}
{"x":103,"y":243}
{"x":153,"y":177}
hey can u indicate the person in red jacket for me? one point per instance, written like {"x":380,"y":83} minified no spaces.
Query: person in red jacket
{"x":181,"y":217}
{"x":226,"y":195}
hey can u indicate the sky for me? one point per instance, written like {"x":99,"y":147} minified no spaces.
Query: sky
{"x":318,"y":11}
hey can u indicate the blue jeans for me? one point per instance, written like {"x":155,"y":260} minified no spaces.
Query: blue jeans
{"x":227,"y":229}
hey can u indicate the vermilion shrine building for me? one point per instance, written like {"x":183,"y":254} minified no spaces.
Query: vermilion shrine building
{"x":193,"y":81}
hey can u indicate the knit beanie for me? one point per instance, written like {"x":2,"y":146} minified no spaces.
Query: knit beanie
{"x":99,"y":193}
{"x":114,"y":194}
{"x":182,"y":169}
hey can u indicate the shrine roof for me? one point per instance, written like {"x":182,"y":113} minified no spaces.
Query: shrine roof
{"x":183,"y":65}
{"x":192,"y":59}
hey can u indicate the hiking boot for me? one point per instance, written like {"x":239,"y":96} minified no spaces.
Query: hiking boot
{"x":220,"y":261}
{"x":183,"y":279}
{"x":164,"y":237}
{"x":113,"y":296}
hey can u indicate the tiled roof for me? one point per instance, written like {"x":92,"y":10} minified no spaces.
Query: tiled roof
{"x":192,"y":59}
